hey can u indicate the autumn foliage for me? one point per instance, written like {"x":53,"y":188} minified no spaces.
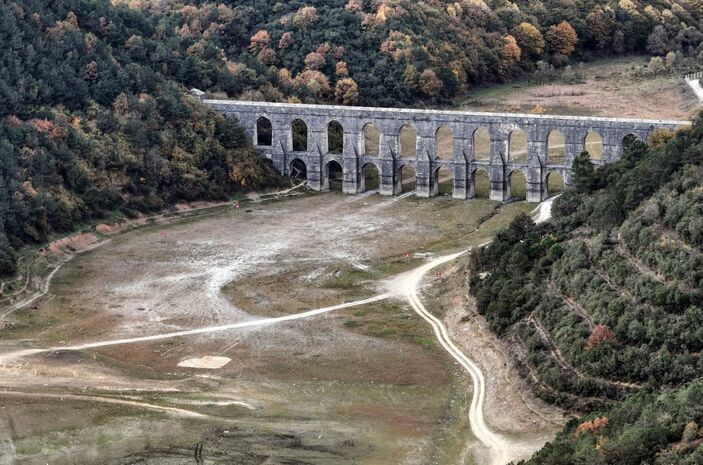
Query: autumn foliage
{"x":397,"y":52}
{"x":592,"y":426}
{"x":562,"y":38}
{"x":600,"y":334}
{"x":346,"y":91}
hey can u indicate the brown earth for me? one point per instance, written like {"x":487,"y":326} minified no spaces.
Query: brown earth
{"x":610,"y":88}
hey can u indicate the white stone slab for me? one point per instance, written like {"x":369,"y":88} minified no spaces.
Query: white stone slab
{"x":208,"y":362}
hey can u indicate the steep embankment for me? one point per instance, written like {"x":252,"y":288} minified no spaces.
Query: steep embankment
{"x":603,"y":305}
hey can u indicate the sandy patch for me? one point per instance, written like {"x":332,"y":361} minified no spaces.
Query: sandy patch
{"x":208,"y":362}
{"x":72,"y":244}
{"x":216,"y":403}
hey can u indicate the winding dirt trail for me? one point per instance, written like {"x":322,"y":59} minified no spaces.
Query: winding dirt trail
{"x":407,"y":286}
{"x":502,"y":450}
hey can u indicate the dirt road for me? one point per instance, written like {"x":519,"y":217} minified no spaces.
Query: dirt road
{"x":6,"y":357}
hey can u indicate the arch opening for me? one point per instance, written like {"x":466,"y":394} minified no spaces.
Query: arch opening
{"x":406,"y":179}
{"x":370,"y":177}
{"x":299,"y":132}
{"x":482,"y":144}
{"x":443,"y":181}
{"x":407,"y":139}
{"x":264,"y":132}
{"x":298,"y":170}
{"x":334,"y":176}
{"x":517,"y":186}
{"x":556,"y":148}
{"x":372,"y":140}
{"x":593,"y":144}
{"x":555,"y":184}
{"x":335,"y":137}
{"x":517,"y":146}
{"x":444,"y":143}
{"x":480,"y":186}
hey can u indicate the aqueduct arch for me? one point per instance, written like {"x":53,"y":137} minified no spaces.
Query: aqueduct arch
{"x":480,"y":142}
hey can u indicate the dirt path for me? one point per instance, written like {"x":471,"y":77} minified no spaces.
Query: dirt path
{"x":543,"y":212}
{"x":407,"y":286}
{"x":501,"y":449}
{"x":646,"y":270}
{"x":109,"y":400}
{"x":191,"y":332}
{"x":572,"y":304}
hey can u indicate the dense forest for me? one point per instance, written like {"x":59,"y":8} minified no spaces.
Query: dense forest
{"x":394,"y":52}
{"x":604,"y":304}
{"x":88,"y":128}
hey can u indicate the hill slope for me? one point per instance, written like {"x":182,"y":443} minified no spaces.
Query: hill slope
{"x":395,"y":52}
{"x":87,"y":129}
{"x":603,"y":304}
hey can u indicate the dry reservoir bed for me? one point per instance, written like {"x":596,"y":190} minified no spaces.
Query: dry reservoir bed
{"x":364,"y":385}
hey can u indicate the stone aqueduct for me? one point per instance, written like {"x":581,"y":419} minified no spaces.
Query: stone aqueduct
{"x":462,"y":162}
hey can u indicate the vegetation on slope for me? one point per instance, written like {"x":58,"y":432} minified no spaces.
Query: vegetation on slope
{"x":603,"y":303}
{"x":394,"y":52}
{"x":87,"y":129}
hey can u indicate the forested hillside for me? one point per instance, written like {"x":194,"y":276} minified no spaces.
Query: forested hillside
{"x":87,"y":128}
{"x":604,"y":304}
{"x":394,"y":52}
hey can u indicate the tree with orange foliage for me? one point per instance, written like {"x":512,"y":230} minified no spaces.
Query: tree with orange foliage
{"x":529,"y":39}
{"x":267,"y":56}
{"x":259,"y":40}
{"x":430,"y":84}
{"x":314,"y":60}
{"x":562,"y":38}
{"x":592,"y":426}
{"x":305,"y":16}
{"x":510,"y":60}
{"x":341,"y":68}
{"x":315,"y":82}
{"x":346,"y":91}
{"x":286,"y":40}
{"x":600,"y":334}
{"x":324,"y":49}
{"x":398,"y":45}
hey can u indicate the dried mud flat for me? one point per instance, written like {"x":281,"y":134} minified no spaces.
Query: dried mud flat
{"x":364,"y":385}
